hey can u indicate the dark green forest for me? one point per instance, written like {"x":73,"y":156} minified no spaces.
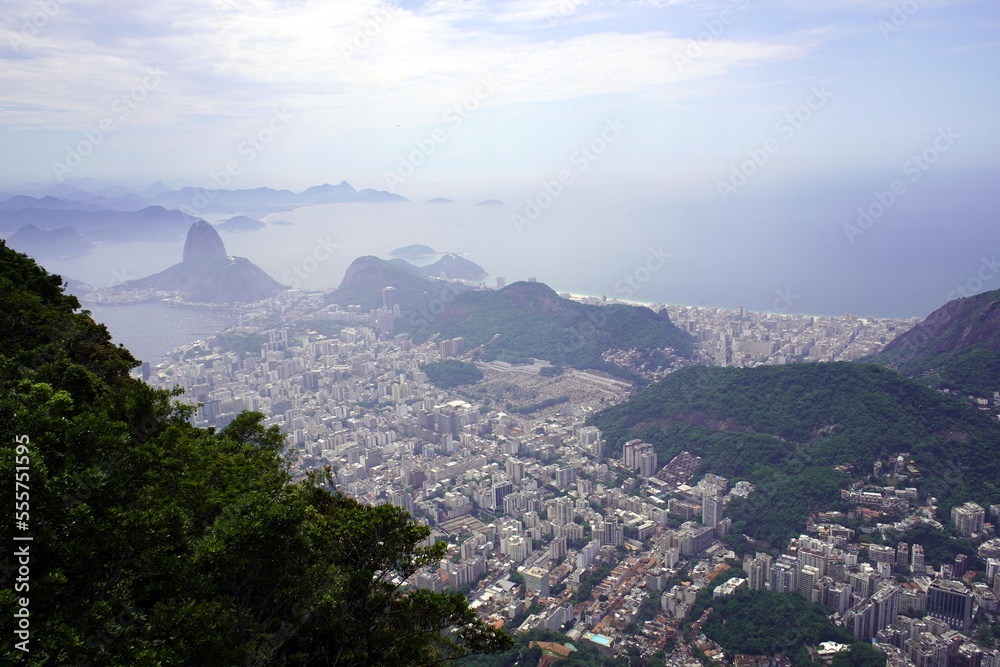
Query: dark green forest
{"x":451,"y":373}
{"x":784,"y":428}
{"x":957,"y":347}
{"x":154,"y":542}
{"x":520,"y":322}
{"x":768,"y":623}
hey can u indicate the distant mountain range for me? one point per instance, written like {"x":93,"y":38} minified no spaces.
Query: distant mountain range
{"x":206,"y":274}
{"x":91,"y":195}
{"x":240,"y":224}
{"x":524,"y":320}
{"x":59,"y":242}
{"x":153,"y":223}
{"x":89,"y":211}
{"x":415,"y":250}
{"x":957,"y":347}
{"x":450,"y":266}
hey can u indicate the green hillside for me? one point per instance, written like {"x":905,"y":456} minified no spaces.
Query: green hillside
{"x":524,"y":320}
{"x":957,"y":347}
{"x":784,"y":428}
{"x":154,"y":542}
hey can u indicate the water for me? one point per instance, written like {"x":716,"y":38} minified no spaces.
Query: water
{"x":783,"y":251}
{"x":150,"y":330}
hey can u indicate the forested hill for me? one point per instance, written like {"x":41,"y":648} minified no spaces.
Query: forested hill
{"x":784,"y":428}
{"x":956,"y":347}
{"x":154,"y":542}
{"x":524,"y":320}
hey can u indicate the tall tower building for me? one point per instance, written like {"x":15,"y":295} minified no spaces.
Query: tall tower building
{"x":711,"y":510}
{"x":917,"y":565}
{"x":759,"y":570}
{"x":389,"y":299}
{"x":951,"y":602}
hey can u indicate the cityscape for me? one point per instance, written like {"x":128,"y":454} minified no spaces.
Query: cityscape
{"x":545,"y":528}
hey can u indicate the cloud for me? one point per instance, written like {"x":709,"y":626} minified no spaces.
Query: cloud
{"x":364,"y":63}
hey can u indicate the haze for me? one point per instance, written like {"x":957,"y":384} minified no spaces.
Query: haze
{"x":739,"y":137}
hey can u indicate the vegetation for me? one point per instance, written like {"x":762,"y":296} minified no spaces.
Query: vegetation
{"x":957,"y":347}
{"x":550,"y":371}
{"x":155,"y":542}
{"x":940,"y":546}
{"x":450,"y":373}
{"x":784,"y":428}
{"x":515,"y":324}
{"x":521,"y":654}
{"x":529,"y":320}
{"x":765,"y":623}
{"x":540,"y":405}
{"x":588,"y":581}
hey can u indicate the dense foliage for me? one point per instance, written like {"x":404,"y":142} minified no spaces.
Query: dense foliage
{"x":451,"y":373}
{"x":940,"y":546}
{"x":520,"y":322}
{"x":784,"y":428}
{"x":529,"y":320}
{"x":957,"y":347}
{"x":585,"y":655}
{"x":155,"y":542}
{"x":766,"y":623}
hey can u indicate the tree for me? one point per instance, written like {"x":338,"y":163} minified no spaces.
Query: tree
{"x":155,"y":542}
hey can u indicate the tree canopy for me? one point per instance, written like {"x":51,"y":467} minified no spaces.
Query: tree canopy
{"x":155,"y":542}
{"x":785,"y":428}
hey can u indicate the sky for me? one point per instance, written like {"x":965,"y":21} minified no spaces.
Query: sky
{"x":769,"y":122}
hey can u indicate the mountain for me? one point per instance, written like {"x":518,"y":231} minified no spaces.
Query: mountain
{"x":957,"y":347}
{"x":240,"y":224}
{"x":221,"y":201}
{"x":454,"y":267}
{"x":415,"y":250}
{"x":490,"y":203}
{"x":366,"y":276}
{"x":784,"y":428}
{"x":450,"y":266}
{"x":524,"y":320}
{"x":52,"y":243}
{"x":19,"y":202}
{"x":440,"y":200}
{"x":152,"y":223}
{"x":150,"y":530}
{"x":206,"y":274}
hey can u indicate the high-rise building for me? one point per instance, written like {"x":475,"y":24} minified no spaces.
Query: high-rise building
{"x":992,"y":570}
{"x":632,"y":452}
{"x":951,"y":602}
{"x":562,"y":511}
{"x":711,"y":510}
{"x":903,"y":555}
{"x":807,"y":578}
{"x":389,"y":298}
{"x":784,"y":574}
{"x":647,"y":463}
{"x":501,"y":282}
{"x":968,"y":519}
{"x":917,"y":565}
{"x":515,"y":470}
{"x":886,"y":601}
{"x":499,"y":492}
{"x":860,"y":619}
{"x":614,"y":534}
{"x":960,"y":565}
{"x":536,"y":580}
{"x":759,"y":570}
